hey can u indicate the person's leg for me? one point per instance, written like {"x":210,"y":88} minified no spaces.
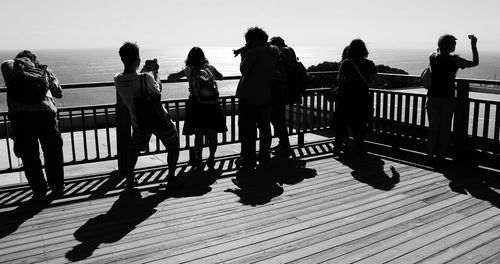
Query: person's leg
{"x":264,"y":125}
{"x":198,"y":147}
{"x":247,"y":133}
{"x":434,"y":116}
{"x":445,"y":127}
{"x":137,"y":142}
{"x":51,"y":142}
{"x":212,"y":146}
{"x":170,"y":139}
{"x":278,"y":120}
{"x":340,"y":128}
{"x":26,"y":147}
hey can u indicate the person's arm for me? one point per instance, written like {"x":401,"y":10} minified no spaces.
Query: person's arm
{"x":54,"y":85}
{"x":176,"y":76}
{"x":153,"y":85}
{"x":216,"y":73}
{"x":463,"y":63}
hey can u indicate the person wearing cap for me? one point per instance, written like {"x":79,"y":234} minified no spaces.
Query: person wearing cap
{"x":441,"y":95}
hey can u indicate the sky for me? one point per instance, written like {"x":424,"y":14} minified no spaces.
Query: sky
{"x":392,"y":24}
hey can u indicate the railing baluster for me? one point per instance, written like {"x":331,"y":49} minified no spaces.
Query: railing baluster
{"x":7,"y":140}
{"x":318,"y":111}
{"x":233,"y":120}
{"x":84,"y":133}
{"x":224,"y":113}
{"x":486,"y":127}
{"x":407,"y":108}
{"x":108,"y":140}
{"x":496,"y":134}
{"x":414,"y":110}
{"x":475,"y":120}
{"x":378,"y":106}
{"x":422,"y":111}
{"x":72,"y":135}
{"x":96,"y":134}
{"x":399,"y":113}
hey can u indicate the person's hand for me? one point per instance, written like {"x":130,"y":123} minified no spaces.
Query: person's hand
{"x":473,"y":40}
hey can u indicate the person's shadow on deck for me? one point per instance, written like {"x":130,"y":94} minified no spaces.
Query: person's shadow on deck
{"x":369,"y":169}
{"x":467,"y":178}
{"x":131,"y":209}
{"x":127,"y":212}
{"x":260,"y":186}
{"x":12,"y":220}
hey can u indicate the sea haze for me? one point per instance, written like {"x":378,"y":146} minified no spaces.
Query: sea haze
{"x":100,"y":65}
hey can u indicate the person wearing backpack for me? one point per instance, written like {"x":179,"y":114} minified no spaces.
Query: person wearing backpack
{"x":31,"y":87}
{"x":292,"y":82}
{"x":258,"y":67}
{"x":204,"y":116}
{"x":441,"y":95}
{"x":131,"y":85}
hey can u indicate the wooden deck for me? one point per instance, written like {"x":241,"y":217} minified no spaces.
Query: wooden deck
{"x":375,"y":210}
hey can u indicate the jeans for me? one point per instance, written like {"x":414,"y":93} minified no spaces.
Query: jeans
{"x":30,"y":128}
{"x":279,"y":123}
{"x":440,"y":115}
{"x":252,"y":117}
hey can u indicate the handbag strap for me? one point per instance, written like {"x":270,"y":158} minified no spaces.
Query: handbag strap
{"x":142,"y":80}
{"x":359,"y":72}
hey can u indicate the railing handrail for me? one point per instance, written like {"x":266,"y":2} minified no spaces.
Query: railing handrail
{"x":237,"y":77}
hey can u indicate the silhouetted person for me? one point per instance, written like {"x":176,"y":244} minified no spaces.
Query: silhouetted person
{"x":204,"y":117}
{"x":128,"y":85}
{"x":282,"y":96}
{"x":441,"y":95}
{"x":32,"y":113}
{"x":354,"y":105}
{"x":258,"y":69}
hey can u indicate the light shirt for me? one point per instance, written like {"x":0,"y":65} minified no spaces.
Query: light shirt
{"x":128,"y":87}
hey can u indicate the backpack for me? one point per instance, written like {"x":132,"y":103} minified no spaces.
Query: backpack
{"x":297,"y":84}
{"x":29,"y":83}
{"x":205,"y":87}
{"x":426,"y":78}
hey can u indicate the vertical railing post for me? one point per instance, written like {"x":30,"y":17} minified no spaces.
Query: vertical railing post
{"x":122,"y":133}
{"x":461,"y":121}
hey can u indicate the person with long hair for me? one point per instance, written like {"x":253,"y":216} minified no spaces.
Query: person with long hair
{"x":354,"y":104}
{"x":203,"y":119}
{"x":441,"y":95}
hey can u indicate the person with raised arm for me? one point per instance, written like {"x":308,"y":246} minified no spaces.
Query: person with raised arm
{"x":440,"y":104}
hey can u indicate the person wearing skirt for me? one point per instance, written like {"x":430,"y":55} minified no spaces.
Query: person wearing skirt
{"x":204,"y":120}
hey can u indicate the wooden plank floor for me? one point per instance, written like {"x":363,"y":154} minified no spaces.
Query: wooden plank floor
{"x":374,"y":210}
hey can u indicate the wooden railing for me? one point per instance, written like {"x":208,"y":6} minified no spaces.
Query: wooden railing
{"x":90,"y":135}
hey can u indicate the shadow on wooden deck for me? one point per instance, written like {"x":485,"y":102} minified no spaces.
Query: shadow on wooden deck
{"x":256,"y":188}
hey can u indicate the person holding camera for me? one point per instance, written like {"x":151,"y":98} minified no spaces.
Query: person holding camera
{"x":129,"y":86}
{"x":441,"y":95}
{"x":259,"y":62}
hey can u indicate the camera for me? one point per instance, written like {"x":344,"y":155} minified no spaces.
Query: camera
{"x":151,"y":66}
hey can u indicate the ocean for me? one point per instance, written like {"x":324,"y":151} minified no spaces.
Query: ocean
{"x":100,"y":65}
